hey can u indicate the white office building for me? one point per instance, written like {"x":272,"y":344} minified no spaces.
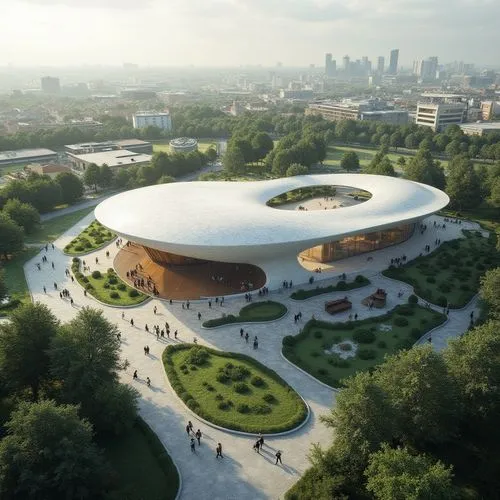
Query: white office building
{"x":145,"y":119}
{"x":440,"y":116}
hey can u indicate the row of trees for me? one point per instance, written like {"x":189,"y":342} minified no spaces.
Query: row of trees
{"x":42,"y":192}
{"x":422,"y":425}
{"x":65,"y":378}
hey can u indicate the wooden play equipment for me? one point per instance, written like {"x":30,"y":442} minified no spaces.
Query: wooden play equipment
{"x":377,"y":299}
{"x":336,"y":306}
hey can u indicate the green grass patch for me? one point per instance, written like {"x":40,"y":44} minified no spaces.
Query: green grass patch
{"x":51,"y":229}
{"x":232,"y":390}
{"x":92,"y":238}
{"x":451,"y":274}
{"x":302,"y":194}
{"x":141,"y":466}
{"x":107,"y":287}
{"x":258,"y":311}
{"x":342,"y":285}
{"x":374,"y":337}
{"x":16,"y":281}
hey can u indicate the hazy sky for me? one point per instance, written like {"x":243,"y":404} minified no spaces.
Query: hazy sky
{"x":234,"y":32}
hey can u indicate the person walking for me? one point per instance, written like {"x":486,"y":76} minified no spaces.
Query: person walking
{"x":44,"y":290}
{"x":198,"y":436}
{"x":218,"y":449}
{"x":278,"y":458}
{"x":256,"y":446}
{"x":135,"y":375}
{"x":123,"y":315}
{"x":190,"y":425}
{"x":242,"y":332}
{"x":261,"y":441}
{"x":155,"y":309}
{"x":246,"y":337}
{"x":148,"y":381}
{"x":193,"y":445}
{"x":199,"y":316}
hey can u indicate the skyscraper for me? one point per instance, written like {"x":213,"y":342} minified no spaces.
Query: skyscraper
{"x":393,"y":64}
{"x":380,"y":64}
{"x":330,"y":66}
{"x":346,"y":60}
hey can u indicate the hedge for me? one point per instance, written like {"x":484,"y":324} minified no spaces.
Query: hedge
{"x":191,"y":403}
{"x":341,"y":286}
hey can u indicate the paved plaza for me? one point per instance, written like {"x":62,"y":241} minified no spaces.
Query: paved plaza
{"x":242,"y":474}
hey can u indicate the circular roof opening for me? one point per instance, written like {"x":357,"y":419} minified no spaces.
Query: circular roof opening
{"x":319,"y":198}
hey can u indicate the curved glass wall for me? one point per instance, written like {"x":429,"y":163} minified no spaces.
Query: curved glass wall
{"x":358,"y":244}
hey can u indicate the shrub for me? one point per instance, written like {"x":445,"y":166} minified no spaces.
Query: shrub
{"x":288,"y":341}
{"x":415,"y":333}
{"x":465,"y":287}
{"x":241,"y":387}
{"x":431,"y":279}
{"x":243,"y":408}
{"x":367,"y":354}
{"x":444,"y":287}
{"x":223,"y":405}
{"x":89,"y":286}
{"x":406,"y":310}
{"x":219,"y":397}
{"x":79,"y":248}
{"x":382,"y":344}
{"x":261,"y":409}
{"x":257,"y":381}
{"x":75,"y":260}
{"x":318,"y":334}
{"x":322,"y":371}
{"x":360,"y":279}
{"x":96,"y":274}
{"x":121,"y":286}
{"x":210,"y":388}
{"x":315,"y":354}
{"x":442,"y":301}
{"x":193,"y":368}
{"x":222,"y":378}
{"x":363,"y":336}
{"x":345,"y":347}
{"x":400,"y":321}
{"x":133,"y":293}
{"x":85,"y":279}
{"x":106,"y":285}
{"x":197,"y":355}
{"x":412,"y":299}
{"x":110,"y":270}
{"x":114,"y":295}
{"x":341,"y":285}
{"x":112,"y":280}
{"x":269,"y":398}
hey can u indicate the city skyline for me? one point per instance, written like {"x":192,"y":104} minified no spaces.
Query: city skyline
{"x":223,"y":33}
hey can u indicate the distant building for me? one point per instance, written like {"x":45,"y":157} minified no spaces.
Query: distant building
{"x":490,"y":110}
{"x":380,"y":65}
{"x":115,"y":158}
{"x":483,"y":128}
{"x":369,"y":110}
{"x":86,"y":124}
{"x":439,"y":116}
{"x":50,"y":85}
{"x":183,"y":145}
{"x":346,"y":63}
{"x":134,"y":145}
{"x":50,"y":169}
{"x":301,"y":94}
{"x":139,"y":94}
{"x":145,"y":119}
{"x":330,"y":66}
{"x":393,"y":63}
{"x":426,"y":70}
{"x":236,"y":109}
{"x":27,"y":156}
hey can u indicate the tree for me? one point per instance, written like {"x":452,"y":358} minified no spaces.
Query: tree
{"x":105,"y":176}
{"x":262,"y":144}
{"x":165,"y":179}
{"x":49,"y":453}
{"x":234,"y":161}
{"x":423,"y":168}
{"x":91,"y":176}
{"x":122,"y":178}
{"x":23,"y":214}
{"x":24,"y":345}
{"x":244,"y":146}
{"x":44,"y":193}
{"x":474,"y":363}
{"x":384,"y":168}
{"x":423,"y":395}
{"x":11,"y":236}
{"x":3,"y":286}
{"x":71,"y":187}
{"x":396,"y":140}
{"x":411,"y":141}
{"x":282,"y":160}
{"x":211,"y":154}
{"x":296,"y":169}
{"x":349,"y":161}
{"x":490,"y":291}
{"x":453,"y":148}
{"x":401,"y":161}
{"x":396,"y":474}
{"x":462,"y":183}
{"x":495,"y":192}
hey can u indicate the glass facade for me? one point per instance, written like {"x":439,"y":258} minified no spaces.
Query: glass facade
{"x":358,"y":244}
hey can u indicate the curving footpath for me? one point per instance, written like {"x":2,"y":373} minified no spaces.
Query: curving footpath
{"x":242,"y":474}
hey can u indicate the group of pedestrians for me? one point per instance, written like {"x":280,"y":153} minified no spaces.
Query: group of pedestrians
{"x":135,"y":376}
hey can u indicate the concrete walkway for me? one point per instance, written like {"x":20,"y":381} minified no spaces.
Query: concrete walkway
{"x":242,"y":474}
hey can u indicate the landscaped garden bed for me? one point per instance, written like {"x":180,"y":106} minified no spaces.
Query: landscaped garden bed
{"x":90,"y":239}
{"x":341,"y":286}
{"x":333,"y":351}
{"x":451,"y":274}
{"x":108,"y":287}
{"x":256,"y":312}
{"x":232,"y":390}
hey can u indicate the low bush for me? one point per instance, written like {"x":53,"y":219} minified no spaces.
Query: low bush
{"x":257,"y":381}
{"x":96,"y":274}
{"x":363,"y":336}
{"x":241,"y":388}
{"x":366,"y":354}
{"x":112,"y":280}
{"x":400,"y":321}
{"x":114,"y":295}
{"x":243,"y":408}
{"x":261,"y":409}
{"x":269,"y":398}
{"x":318,"y":334}
{"x":415,"y":333}
{"x":341,"y":285}
{"x":382,"y":344}
{"x":133,"y":293}
{"x":197,"y":355}
{"x":121,"y":286}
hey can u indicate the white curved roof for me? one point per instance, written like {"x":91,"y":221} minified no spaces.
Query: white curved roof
{"x":230,"y":221}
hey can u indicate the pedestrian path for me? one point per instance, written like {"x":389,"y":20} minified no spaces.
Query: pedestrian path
{"x":242,"y":474}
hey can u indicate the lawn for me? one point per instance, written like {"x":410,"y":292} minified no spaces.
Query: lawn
{"x":107,"y":288}
{"x":92,"y":238}
{"x":342,"y":285}
{"x":53,"y":228}
{"x":373,"y":338}
{"x":451,"y":274}
{"x":258,"y":311}
{"x":232,"y":390}
{"x":141,"y":466}
{"x":15,"y":280}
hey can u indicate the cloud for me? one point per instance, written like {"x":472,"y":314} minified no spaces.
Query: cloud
{"x":96,"y":4}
